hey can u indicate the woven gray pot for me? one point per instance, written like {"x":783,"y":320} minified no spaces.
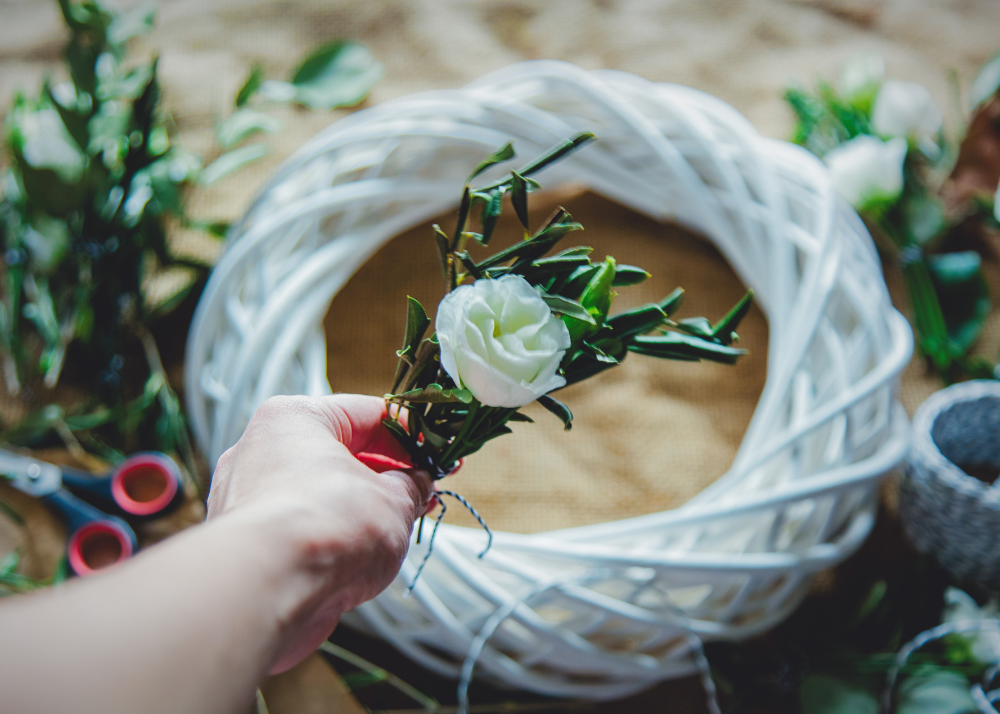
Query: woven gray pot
{"x":946,"y":512}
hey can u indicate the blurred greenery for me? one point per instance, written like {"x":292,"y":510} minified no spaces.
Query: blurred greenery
{"x":948,"y":292}
{"x":94,"y":183}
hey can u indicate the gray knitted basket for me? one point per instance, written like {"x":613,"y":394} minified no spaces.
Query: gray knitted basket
{"x":946,"y":512}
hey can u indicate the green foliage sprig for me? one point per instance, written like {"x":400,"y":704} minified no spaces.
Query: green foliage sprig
{"x":930,"y":233}
{"x":93,"y":183}
{"x":445,"y":422}
{"x":94,"y":175}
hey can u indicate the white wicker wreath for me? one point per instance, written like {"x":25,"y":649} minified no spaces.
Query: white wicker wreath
{"x":606,"y":610}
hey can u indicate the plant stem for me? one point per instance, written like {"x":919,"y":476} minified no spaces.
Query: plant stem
{"x":429,"y":704}
{"x":169,"y":403}
{"x":467,"y":427}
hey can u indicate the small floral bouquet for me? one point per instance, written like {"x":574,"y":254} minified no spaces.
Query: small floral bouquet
{"x":928,"y":198}
{"x":521,"y":323}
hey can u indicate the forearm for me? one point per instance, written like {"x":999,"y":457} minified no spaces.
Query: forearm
{"x":191,"y":625}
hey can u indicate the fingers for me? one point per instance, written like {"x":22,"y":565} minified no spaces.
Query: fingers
{"x":416,"y":487}
{"x":357,"y":422}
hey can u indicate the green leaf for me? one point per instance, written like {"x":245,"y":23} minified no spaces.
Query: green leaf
{"x":434,"y":394}
{"x":504,"y":153}
{"x":250,"y":86}
{"x":536,"y":246}
{"x":963,"y":295}
{"x":96,"y":418}
{"x":9,"y":563}
{"x":47,"y":241}
{"x":597,"y":296}
{"x":575,"y":251}
{"x":597,"y":353}
{"x":243,"y":123}
{"x":561,"y":263}
{"x":13,"y":514}
{"x":550,"y":156}
{"x":219,"y":229}
{"x":986,"y":83}
{"x":937,"y":693}
{"x":698,"y":326}
{"x":463,"y":216}
{"x":955,"y":268}
{"x":923,"y":217}
{"x":519,"y":197}
{"x":518,"y":416}
{"x":469,"y":264}
{"x":132,"y":23}
{"x":417,"y":323}
{"x":676,"y":345}
{"x":491,"y":212}
{"x":568,"y":308}
{"x":227,"y":163}
{"x":672,"y":302}
{"x":74,"y":121}
{"x":559,"y":409}
{"x":578,"y":280}
{"x":40,"y":139}
{"x":404,"y":439}
{"x":724,"y":329}
{"x":338,"y":74}
{"x":636,"y":321}
{"x":444,"y":249}
{"x":822,"y":694}
{"x":629,"y":275}
{"x":35,"y":426}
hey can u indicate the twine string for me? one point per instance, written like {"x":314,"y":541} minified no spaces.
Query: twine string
{"x":461,"y":499}
{"x":493,"y":623}
{"x":430,"y":548}
{"x":437,"y":522}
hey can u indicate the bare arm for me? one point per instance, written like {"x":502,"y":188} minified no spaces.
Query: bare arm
{"x":299,"y":531}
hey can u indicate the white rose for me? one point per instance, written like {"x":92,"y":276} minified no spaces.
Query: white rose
{"x":501,"y":341}
{"x":867,"y":169}
{"x":906,"y":109}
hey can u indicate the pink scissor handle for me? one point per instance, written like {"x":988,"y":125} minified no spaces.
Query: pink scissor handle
{"x":97,"y":545}
{"x":145,"y":484}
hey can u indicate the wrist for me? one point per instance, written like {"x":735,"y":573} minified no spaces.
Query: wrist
{"x":296,"y":549}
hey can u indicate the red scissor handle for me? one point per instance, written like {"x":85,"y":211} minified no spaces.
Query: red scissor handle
{"x":97,"y":545}
{"x":145,"y":484}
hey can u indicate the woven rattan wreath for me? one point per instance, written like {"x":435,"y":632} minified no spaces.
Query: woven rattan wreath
{"x":599,"y":611}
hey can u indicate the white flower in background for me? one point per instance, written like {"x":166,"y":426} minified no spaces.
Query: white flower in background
{"x":996,"y":205}
{"x":906,"y":109}
{"x":860,"y":78}
{"x":959,"y":606}
{"x":986,"y":82}
{"x":867,"y":169}
{"x":500,"y":341}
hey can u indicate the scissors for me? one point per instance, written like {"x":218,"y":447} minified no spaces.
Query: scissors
{"x":97,"y":508}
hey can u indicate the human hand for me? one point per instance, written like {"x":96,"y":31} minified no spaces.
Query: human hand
{"x":294,"y":471}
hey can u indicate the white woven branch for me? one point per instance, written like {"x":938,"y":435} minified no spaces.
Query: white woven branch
{"x":735,"y":560}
